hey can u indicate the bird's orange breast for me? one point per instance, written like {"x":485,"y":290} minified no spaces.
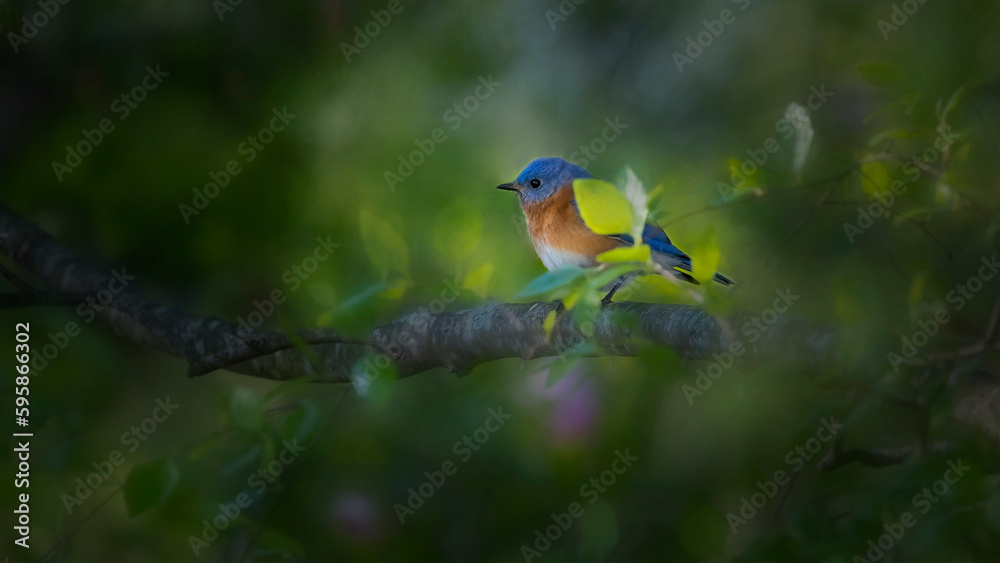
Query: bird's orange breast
{"x":556,"y":223}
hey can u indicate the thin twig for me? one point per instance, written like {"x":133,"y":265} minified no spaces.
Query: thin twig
{"x":983,"y":346}
{"x":882,"y":457}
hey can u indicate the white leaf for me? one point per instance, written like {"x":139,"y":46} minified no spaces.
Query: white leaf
{"x":798,"y":116}
{"x":636,"y":195}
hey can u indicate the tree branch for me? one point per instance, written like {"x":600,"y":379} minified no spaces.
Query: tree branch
{"x":418,"y":342}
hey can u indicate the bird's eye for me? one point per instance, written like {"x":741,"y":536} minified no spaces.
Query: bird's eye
{"x":535,"y":183}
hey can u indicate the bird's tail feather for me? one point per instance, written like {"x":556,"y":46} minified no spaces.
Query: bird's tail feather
{"x":675,"y":265}
{"x":686,"y":265}
{"x":723,"y":279}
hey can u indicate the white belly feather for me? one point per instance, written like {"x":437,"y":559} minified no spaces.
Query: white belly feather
{"x":553,"y":258}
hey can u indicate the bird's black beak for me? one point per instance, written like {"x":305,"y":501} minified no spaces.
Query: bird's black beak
{"x":511,"y":186}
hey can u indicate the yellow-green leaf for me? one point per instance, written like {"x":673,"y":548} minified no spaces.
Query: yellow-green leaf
{"x":322,"y":292}
{"x":653,"y":288}
{"x":874,"y":177}
{"x":385,"y":247}
{"x":395,"y":290}
{"x":551,"y":280}
{"x":705,"y":256}
{"x":638,"y":253}
{"x":478,"y":280}
{"x":549,"y":324}
{"x":604,"y":209}
{"x":573,"y":298}
{"x":246,"y":408}
{"x":740,"y":180}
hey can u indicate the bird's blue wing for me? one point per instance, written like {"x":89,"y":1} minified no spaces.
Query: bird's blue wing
{"x":657,"y":240}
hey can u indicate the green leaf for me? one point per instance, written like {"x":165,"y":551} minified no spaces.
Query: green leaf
{"x":874,"y":177}
{"x":604,"y":209}
{"x":551,"y":280}
{"x":396,"y":289}
{"x":355,"y":301}
{"x":607,"y":275}
{"x":883,"y":76}
{"x":149,"y":484}
{"x":322,"y":292}
{"x":656,"y":288}
{"x":478,"y":280}
{"x":633,"y":253}
{"x":385,"y":247}
{"x":740,"y":180}
{"x":570,"y":299}
{"x":705,"y":256}
{"x":246,"y":408}
{"x":916,"y":211}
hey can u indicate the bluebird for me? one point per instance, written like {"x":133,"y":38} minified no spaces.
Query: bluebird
{"x":560,"y":236}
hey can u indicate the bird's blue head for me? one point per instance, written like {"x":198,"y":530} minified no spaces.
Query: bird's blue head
{"x":543,"y":177}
